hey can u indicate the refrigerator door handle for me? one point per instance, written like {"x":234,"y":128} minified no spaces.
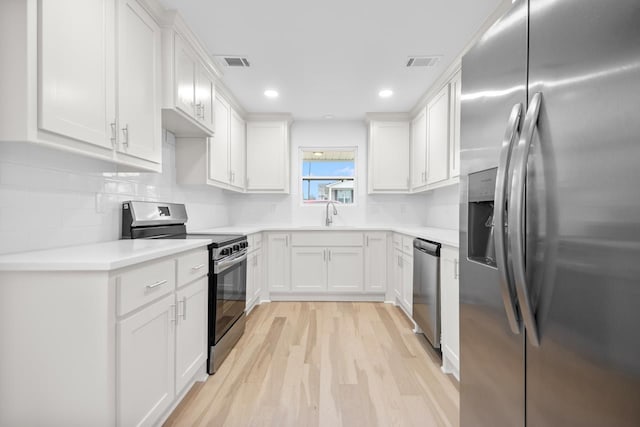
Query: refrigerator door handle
{"x":502,"y":178}
{"x":516,"y":219}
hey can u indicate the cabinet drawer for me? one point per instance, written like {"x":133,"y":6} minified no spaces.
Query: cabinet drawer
{"x":327,"y":238}
{"x":407,"y":244}
{"x":192,"y":265}
{"x":142,"y":285}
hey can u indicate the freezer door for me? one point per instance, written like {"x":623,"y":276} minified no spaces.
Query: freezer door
{"x":494,"y":78}
{"x":583,"y":214}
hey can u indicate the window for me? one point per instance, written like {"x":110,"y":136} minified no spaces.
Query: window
{"x":328,"y":176}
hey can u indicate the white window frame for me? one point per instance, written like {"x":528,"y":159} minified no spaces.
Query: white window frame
{"x":301,"y":178}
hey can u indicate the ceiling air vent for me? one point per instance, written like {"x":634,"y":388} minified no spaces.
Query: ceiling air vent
{"x":233,"y":61}
{"x":422,"y":61}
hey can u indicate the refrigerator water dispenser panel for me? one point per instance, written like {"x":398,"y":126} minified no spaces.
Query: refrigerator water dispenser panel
{"x":482,"y":187}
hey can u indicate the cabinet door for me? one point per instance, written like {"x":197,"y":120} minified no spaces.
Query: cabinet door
{"x":76,"y":75}
{"x":375,"y":270}
{"x":438,"y":137}
{"x":345,"y":273}
{"x":146,"y":345}
{"x":205,"y":96}
{"x":398,"y":276}
{"x":138,"y":82}
{"x":219,"y":144}
{"x":419,"y":150}
{"x":389,"y":157}
{"x":185,"y":64}
{"x":454,"y":117}
{"x":449,"y":292}
{"x":279,"y":262}
{"x":237,"y":155}
{"x":191,"y":333}
{"x":258,"y":277}
{"x":407,"y":283}
{"x":267,"y":156}
{"x":309,"y":269}
{"x":251,"y":272}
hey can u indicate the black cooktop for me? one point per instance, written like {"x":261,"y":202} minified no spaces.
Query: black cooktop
{"x":218,"y":239}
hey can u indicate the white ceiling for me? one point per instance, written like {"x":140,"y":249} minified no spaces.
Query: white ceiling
{"x":333,"y":56}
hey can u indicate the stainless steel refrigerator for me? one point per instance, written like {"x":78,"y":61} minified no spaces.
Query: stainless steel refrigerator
{"x":550,"y":217}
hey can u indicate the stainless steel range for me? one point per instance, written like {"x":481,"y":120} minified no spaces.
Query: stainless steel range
{"x":227,"y":269}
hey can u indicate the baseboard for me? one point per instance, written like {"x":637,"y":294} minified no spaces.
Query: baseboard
{"x":325,"y":297}
{"x":450,"y":362}
{"x":200,"y":376}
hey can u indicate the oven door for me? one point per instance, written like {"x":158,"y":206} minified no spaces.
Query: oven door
{"x":230,"y":282}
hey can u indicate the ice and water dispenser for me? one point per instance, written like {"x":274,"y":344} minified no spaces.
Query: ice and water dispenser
{"x":482,"y":186}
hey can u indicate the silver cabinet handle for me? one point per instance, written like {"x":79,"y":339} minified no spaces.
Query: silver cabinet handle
{"x":197,"y":267}
{"x":500,"y":199}
{"x":329,"y":251}
{"x":172,"y":315}
{"x":184,"y":308}
{"x":324,"y":255}
{"x":516,"y":215}
{"x":367,"y":240}
{"x":286,"y":240}
{"x":125,"y":134}
{"x":114,"y":132}
{"x":156,"y":284}
{"x":456,"y":273}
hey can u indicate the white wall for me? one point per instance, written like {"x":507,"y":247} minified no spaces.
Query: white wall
{"x":288,"y":209}
{"x":49,"y":198}
{"x":442,"y":208}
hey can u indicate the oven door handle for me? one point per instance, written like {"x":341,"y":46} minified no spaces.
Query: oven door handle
{"x":220,"y":266}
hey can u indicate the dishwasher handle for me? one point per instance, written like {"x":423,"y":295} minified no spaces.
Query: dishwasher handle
{"x":427,"y":246}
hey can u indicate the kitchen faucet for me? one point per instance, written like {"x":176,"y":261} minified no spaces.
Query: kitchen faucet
{"x":329,"y":219}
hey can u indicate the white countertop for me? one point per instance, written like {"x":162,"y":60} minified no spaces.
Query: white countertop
{"x":97,"y":256}
{"x":441,"y":235}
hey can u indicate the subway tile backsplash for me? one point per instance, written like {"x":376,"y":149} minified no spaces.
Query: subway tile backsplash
{"x":49,"y":198}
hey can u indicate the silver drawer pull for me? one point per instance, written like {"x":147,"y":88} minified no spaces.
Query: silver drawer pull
{"x":197,"y":267}
{"x":155,"y":285}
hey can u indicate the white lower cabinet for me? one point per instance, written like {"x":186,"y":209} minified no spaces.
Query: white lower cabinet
{"x":254,"y":271}
{"x":146,"y":342}
{"x":309,"y":269}
{"x":344,"y":266}
{"x":375,"y":262}
{"x":161,"y":346}
{"x":279,"y":262}
{"x":403,"y":273}
{"x":192,"y":319}
{"x":450,"y":303}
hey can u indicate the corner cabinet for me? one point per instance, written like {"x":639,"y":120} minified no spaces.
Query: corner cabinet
{"x":268,"y":161}
{"x":450,"y":313}
{"x":219,"y":160}
{"x":62,"y":88}
{"x":388,"y":157}
{"x":188,"y":107}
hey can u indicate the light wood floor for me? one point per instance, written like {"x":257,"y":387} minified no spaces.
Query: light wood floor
{"x":325,"y":364}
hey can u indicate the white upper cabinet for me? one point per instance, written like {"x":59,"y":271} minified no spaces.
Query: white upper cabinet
{"x":438,"y":137}
{"x":419,"y":150}
{"x":454,"y":134}
{"x":219,"y":160}
{"x":219,"y":144}
{"x":268,"y":156}
{"x":188,"y":106}
{"x":91,"y":88}
{"x":138,"y":82}
{"x":237,"y":143}
{"x":75,"y":78}
{"x":388,"y":157}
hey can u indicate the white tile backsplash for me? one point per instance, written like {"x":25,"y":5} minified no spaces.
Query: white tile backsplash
{"x":50,"y":198}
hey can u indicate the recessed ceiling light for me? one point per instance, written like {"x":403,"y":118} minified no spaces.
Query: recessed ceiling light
{"x":385,"y":93}
{"x":318,"y":153}
{"x":328,"y":116}
{"x":270,"y":93}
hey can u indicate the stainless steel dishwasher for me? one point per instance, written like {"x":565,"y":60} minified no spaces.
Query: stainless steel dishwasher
{"x":426,"y":289}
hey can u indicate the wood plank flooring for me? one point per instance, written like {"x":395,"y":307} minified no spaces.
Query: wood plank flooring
{"x":325,"y":364}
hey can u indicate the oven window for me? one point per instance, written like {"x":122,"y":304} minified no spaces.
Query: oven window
{"x":231,"y":297}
